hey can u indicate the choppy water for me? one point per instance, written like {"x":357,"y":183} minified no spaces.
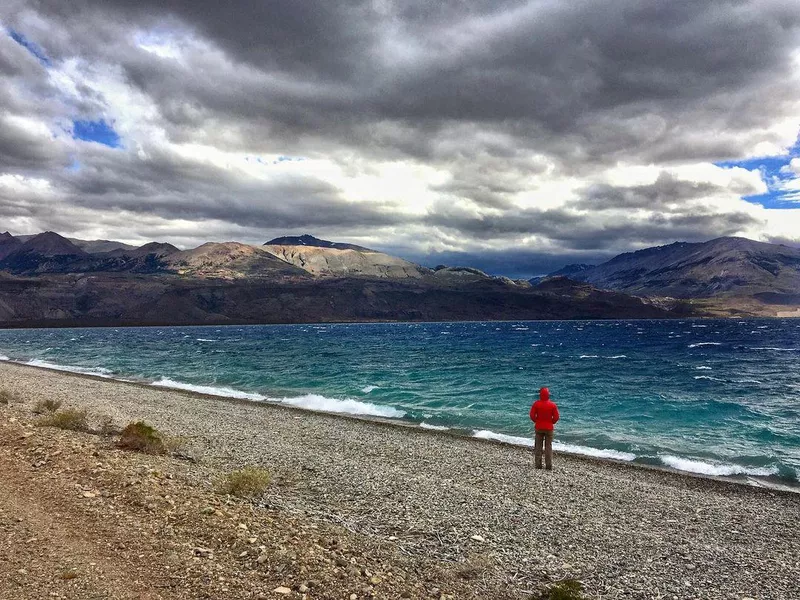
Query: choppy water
{"x":718,"y":397}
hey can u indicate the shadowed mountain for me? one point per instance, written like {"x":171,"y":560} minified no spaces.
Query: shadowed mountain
{"x":46,"y":252}
{"x":575,"y":272}
{"x":158,"y":249}
{"x":331,"y":259}
{"x":98,"y":246}
{"x":722,"y":267}
{"x":8,"y":243}
{"x":310,"y":240}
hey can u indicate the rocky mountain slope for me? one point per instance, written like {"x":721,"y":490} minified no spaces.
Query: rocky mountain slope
{"x":331,"y":259}
{"x":47,"y":279}
{"x":720,"y":268}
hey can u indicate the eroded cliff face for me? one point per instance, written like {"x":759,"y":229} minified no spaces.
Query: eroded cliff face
{"x":334,"y":262}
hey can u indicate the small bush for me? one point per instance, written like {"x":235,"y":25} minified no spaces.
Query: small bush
{"x":7,"y":397}
{"x":245,"y":483}
{"x":47,"y":406}
{"x":141,"y":437}
{"x":70,"y":418}
{"x":569,"y":589}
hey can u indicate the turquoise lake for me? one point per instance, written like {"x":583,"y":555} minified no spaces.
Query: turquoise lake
{"x":715,"y":397}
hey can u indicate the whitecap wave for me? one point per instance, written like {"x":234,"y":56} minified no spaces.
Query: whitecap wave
{"x":486,"y":434}
{"x":589,"y":356}
{"x":616,"y":357}
{"x":313,"y":402}
{"x":703,"y":368}
{"x":96,"y":371}
{"x":4,"y":357}
{"x":704,"y":468}
{"x":346,"y":406}
{"x":425,"y":425}
{"x":205,"y":340}
{"x":699,"y":344}
{"x":224,"y":392}
{"x":369,"y":388}
{"x":708,"y":377}
{"x":777,"y":349}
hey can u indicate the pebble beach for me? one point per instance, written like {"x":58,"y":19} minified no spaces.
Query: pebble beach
{"x":623,"y":531}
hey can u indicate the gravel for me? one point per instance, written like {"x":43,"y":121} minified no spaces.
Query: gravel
{"x":624,"y":531}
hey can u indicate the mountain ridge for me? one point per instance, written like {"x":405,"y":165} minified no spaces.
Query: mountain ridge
{"x":726,"y":266}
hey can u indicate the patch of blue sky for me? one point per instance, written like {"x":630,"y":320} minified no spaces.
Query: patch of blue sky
{"x":30,"y":46}
{"x":783,"y":183}
{"x":281,"y":159}
{"x":96,"y":131}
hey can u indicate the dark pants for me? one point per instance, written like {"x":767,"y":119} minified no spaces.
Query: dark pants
{"x":543,"y":438}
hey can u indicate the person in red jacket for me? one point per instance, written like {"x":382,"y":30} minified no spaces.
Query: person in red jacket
{"x":544,"y":414}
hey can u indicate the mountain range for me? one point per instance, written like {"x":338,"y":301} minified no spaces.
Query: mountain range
{"x":48,"y":279}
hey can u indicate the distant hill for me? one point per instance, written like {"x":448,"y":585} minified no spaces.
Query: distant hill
{"x":728,"y":266}
{"x":333,"y":259}
{"x":44,"y":252}
{"x":574,"y":272}
{"x":97,"y":246}
{"x":8,"y":243}
{"x":310,"y":240}
{"x":47,"y":279}
{"x":229,"y":260}
{"x":158,"y":249}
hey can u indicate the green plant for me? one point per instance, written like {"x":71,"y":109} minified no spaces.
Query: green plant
{"x":568,"y":589}
{"x":141,"y":437}
{"x":246,"y":482}
{"x":47,"y":406}
{"x":71,"y":418}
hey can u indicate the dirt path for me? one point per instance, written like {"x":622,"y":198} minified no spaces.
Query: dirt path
{"x":81,"y":519}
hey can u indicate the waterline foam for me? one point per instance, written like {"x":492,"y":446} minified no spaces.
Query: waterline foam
{"x":315,"y":402}
{"x":704,"y":468}
{"x":486,"y":434}
{"x":96,"y":371}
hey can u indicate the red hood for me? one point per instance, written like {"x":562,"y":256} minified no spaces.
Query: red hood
{"x":544,"y":394}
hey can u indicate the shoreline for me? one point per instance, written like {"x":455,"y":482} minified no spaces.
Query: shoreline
{"x":640,"y":533}
{"x":771,"y":484}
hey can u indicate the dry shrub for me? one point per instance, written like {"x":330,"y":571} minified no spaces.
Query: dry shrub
{"x":71,"y":418}
{"x":141,"y":437}
{"x":47,"y":406}
{"x":7,"y":397}
{"x":245,"y":483}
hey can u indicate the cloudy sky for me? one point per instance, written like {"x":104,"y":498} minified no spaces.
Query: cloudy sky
{"x":510,"y":135}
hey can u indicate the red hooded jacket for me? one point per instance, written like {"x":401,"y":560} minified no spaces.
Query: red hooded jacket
{"x":544,"y":412}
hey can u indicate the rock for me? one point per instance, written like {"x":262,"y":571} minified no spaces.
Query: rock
{"x":477,"y":538}
{"x":282,"y":590}
{"x":353,"y":597}
{"x":199,"y":551}
{"x":89,"y":495}
{"x":302,"y":588}
{"x":262,"y":558}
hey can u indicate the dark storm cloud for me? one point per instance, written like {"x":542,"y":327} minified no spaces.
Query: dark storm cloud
{"x":498,"y":95}
{"x":666,"y":194}
{"x":175,"y":188}
{"x":579,"y":79}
